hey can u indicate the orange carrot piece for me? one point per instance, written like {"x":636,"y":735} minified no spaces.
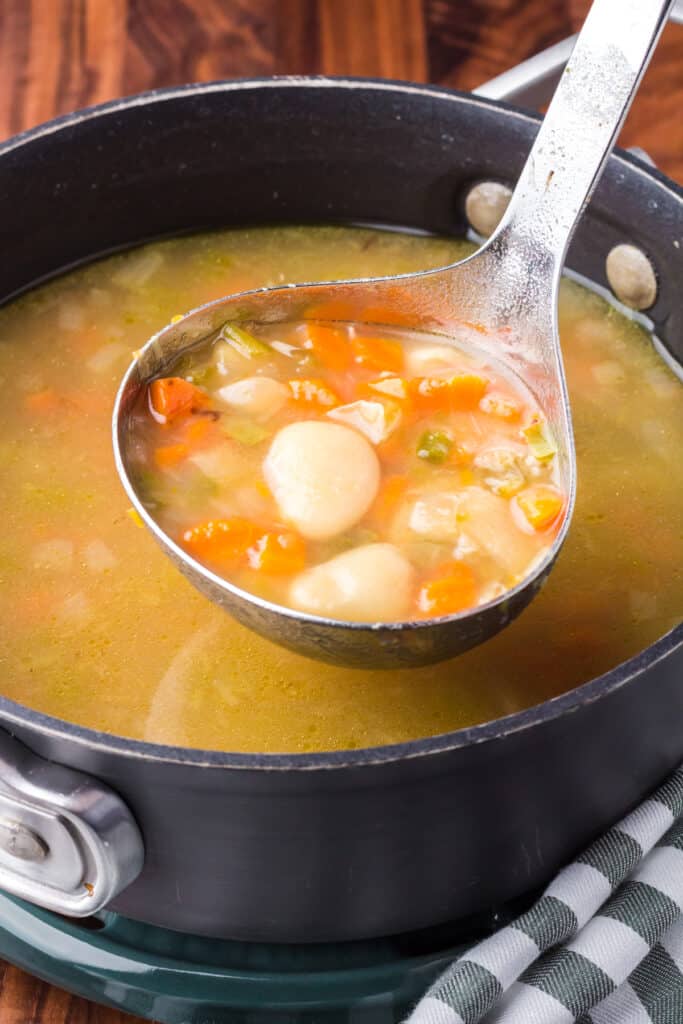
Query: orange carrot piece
{"x":46,"y":401}
{"x":541,"y":505}
{"x":452,"y":589}
{"x":279,"y":554}
{"x":430,"y":394}
{"x":198,"y":430}
{"x":221,"y":540}
{"x":313,"y":394}
{"x":467,"y":390}
{"x":171,"y":397}
{"x":378,"y":354}
{"x":461,"y":391}
{"x":169,"y":455}
{"x":330,"y":345}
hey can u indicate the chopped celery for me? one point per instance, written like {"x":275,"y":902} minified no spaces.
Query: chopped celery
{"x":244,"y":342}
{"x":540,"y":440}
{"x":200,"y":488}
{"x":244,"y":431}
{"x":201,"y":376}
{"x":434,"y":446}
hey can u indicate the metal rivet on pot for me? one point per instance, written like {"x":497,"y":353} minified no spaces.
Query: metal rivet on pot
{"x":485,"y":205}
{"x":631,"y":276}
{"x":21,"y":842}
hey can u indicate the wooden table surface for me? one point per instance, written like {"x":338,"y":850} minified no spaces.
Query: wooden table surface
{"x":58,"y":55}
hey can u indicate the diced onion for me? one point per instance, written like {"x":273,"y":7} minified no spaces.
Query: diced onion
{"x":98,"y":557}
{"x":106,"y":357}
{"x":54,"y":555}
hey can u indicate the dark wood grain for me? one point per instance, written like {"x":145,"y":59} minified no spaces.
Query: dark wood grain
{"x":57,"y":55}
{"x":25,"y":1000}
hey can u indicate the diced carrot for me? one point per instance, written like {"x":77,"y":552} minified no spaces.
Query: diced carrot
{"x":46,"y":401}
{"x":430,"y":394}
{"x":461,"y":391}
{"x":171,"y":397}
{"x":221,"y":540}
{"x":467,"y":390}
{"x":170,"y":455}
{"x":378,"y":354}
{"x":541,"y":505}
{"x":391,"y":491}
{"x":452,"y":589}
{"x":330,"y":345}
{"x":198,"y":430}
{"x":313,"y":394}
{"x":278,"y":553}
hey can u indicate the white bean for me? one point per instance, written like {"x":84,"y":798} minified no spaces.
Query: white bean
{"x":488,"y":521}
{"x":372,"y":583}
{"x":323,"y":476}
{"x":258,"y":396}
{"x":421,"y":360}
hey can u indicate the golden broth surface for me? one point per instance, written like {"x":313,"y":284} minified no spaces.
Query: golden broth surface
{"x":97,"y":627}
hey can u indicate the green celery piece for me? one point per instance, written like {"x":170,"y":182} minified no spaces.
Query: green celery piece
{"x":540,"y":440}
{"x":244,"y":431}
{"x":244,"y":342}
{"x":434,"y":446}
{"x":201,"y":487}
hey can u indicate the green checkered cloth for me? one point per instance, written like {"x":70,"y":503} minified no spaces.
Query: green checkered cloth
{"x":603,"y":944}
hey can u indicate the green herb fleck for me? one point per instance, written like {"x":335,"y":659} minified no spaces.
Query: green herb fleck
{"x":434,"y":446}
{"x":244,"y":431}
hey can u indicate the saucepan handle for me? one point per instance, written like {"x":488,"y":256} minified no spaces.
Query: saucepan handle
{"x":533,"y":82}
{"x":67,"y":842}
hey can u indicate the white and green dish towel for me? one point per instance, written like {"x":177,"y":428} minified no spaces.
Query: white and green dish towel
{"x":602,"y":945}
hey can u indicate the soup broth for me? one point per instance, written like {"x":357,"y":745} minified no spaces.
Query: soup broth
{"x":99,"y":628}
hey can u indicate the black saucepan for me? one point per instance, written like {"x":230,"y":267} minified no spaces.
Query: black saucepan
{"x":365,"y":843}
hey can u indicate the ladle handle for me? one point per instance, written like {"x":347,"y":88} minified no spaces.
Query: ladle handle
{"x":588,"y":108}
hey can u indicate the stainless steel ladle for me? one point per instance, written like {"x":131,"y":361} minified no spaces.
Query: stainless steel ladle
{"x":509,"y":287}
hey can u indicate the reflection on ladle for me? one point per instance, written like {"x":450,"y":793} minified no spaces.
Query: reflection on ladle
{"x":509,"y":287}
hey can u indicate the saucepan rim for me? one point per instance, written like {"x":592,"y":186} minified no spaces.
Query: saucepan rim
{"x":14,"y":713}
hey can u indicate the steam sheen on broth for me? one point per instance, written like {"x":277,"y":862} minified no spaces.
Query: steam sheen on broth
{"x":99,"y":628}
